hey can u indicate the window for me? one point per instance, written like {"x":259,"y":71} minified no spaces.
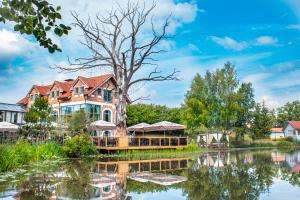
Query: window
{"x":1,"y":116}
{"x":8,"y":114}
{"x":52,"y":95}
{"x":57,"y":93}
{"x":76,"y":91}
{"x":82,"y":90}
{"x":13,"y":118}
{"x":99,"y":91}
{"x":107,"y":95}
{"x":107,"y":116}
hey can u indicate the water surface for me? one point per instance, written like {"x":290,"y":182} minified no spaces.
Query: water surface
{"x":263,"y":175}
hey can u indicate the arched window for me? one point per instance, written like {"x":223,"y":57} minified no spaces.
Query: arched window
{"x":107,"y":116}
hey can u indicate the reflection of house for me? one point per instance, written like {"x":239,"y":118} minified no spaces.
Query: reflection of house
{"x":293,"y":160}
{"x":292,"y":129}
{"x":277,"y":157}
{"x":277,"y":133}
{"x":95,"y":95}
{"x":108,"y":187}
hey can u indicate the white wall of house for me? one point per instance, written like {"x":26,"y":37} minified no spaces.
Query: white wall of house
{"x":276,"y":135}
{"x":289,"y":131}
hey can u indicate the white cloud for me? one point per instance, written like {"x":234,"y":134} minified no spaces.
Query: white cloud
{"x":229,"y":43}
{"x":254,"y":78}
{"x":13,"y":44}
{"x":266,"y":40}
{"x":294,"y":26}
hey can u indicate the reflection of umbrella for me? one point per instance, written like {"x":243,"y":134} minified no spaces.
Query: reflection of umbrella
{"x":103,"y":125}
{"x":138,"y":127}
{"x":6,"y":126}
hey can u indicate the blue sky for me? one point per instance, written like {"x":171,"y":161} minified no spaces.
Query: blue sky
{"x":262,"y":38}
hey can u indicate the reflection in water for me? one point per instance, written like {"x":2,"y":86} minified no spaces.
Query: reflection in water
{"x":217,"y":175}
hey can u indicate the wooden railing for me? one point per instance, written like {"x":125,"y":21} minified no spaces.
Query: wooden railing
{"x":126,"y":167}
{"x":128,"y":142}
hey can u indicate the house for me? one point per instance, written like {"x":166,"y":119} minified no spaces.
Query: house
{"x":292,"y":129}
{"x":276,"y":133}
{"x":96,"y":95}
{"x":11,"y":113}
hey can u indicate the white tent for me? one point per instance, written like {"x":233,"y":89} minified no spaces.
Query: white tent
{"x":6,"y":126}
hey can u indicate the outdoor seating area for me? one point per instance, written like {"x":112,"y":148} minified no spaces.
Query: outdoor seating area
{"x":132,"y":141}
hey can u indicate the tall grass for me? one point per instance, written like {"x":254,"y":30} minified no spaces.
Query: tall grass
{"x":14,"y":156}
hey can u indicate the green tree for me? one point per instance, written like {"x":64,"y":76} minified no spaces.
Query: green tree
{"x":78,"y":121}
{"x":262,"y":121}
{"x":290,"y":111}
{"x":38,"y":119}
{"x":217,"y":100}
{"x":244,"y":115}
{"x":150,"y":113}
{"x":34,"y":17}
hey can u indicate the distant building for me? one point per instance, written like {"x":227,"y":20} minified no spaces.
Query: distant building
{"x":11,"y":113}
{"x":277,"y":133}
{"x":292,"y":129}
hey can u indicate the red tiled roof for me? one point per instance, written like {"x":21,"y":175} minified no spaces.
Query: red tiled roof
{"x":295,"y":124}
{"x":23,"y":101}
{"x":277,"y":130}
{"x":95,"y":81}
{"x":42,"y":89}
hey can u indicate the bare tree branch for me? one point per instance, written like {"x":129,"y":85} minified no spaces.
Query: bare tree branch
{"x":114,"y":40}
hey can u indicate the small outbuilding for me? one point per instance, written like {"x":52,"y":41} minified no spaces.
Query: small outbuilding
{"x":292,"y":129}
{"x":276,"y":133}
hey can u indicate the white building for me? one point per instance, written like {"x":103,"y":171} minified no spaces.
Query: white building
{"x":292,"y":129}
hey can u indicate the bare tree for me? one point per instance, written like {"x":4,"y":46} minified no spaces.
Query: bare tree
{"x":113,"y":41}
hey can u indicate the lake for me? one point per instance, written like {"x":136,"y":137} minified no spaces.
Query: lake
{"x":246,"y":174}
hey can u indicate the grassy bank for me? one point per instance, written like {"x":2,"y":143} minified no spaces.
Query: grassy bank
{"x":279,"y":143}
{"x":22,"y":153}
{"x":190,"y":148}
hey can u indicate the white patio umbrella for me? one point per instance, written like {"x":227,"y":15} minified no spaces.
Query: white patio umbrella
{"x":6,"y":126}
{"x":141,"y":127}
{"x":103,"y":124}
{"x":165,"y":126}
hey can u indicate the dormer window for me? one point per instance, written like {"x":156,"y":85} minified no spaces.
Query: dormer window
{"x":52,"y":95}
{"x":57,"y":93}
{"x":99,"y":91}
{"x":76,"y":91}
{"x":82,"y":90}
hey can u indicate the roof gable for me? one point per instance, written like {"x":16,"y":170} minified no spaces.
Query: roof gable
{"x":294,"y":124}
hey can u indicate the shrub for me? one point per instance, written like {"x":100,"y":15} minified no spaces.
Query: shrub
{"x":78,"y":146}
{"x":261,"y":144}
{"x":289,"y":139}
{"x":48,"y":151}
{"x":285,"y":144}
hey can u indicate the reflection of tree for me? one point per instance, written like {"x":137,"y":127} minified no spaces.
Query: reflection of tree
{"x":235,"y":181}
{"x":291,"y":177}
{"x":77,"y":184}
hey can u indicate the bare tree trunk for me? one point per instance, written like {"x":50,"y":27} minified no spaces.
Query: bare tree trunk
{"x":114,"y":41}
